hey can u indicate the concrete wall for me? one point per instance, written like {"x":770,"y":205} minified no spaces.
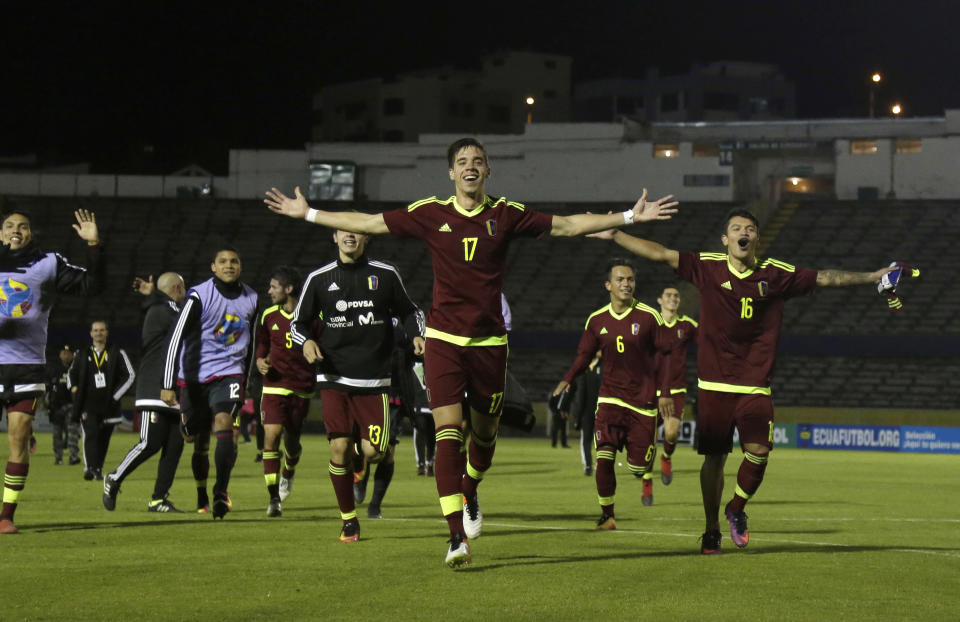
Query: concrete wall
{"x":934,"y":173}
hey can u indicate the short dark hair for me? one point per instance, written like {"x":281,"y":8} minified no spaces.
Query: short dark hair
{"x":457,"y":145}
{"x":618,"y":261}
{"x":288,"y":275}
{"x":11,"y":212}
{"x":105,"y":323}
{"x":742,"y":213}
{"x":224,"y":247}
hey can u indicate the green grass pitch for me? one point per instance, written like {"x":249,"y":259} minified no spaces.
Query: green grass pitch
{"x":834,"y":535}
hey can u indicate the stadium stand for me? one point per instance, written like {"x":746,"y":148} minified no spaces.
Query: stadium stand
{"x":553,"y":285}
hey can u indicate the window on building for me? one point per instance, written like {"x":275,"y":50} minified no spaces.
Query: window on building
{"x":498,"y":113}
{"x":393,"y":106}
{"x":669,"y":102}
{"x":666,"y":150}
{"x":909,"y":145}
{"x":705,"y":150}
{"x":706,"y":181}
{"x":332,"y":181}
{"x":863,"y":147}
{"x":714,"y":100}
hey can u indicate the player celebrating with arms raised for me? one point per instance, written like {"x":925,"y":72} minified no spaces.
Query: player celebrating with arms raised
{"x":468,"y":236}
{"x":741,"y":310}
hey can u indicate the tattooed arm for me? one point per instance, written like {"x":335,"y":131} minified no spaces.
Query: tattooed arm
{"x":840,"y":278}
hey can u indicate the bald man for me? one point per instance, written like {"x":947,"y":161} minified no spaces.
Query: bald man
{"x":159,"y":422}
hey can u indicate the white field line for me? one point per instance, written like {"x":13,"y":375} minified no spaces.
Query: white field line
{"x":641,"y":532}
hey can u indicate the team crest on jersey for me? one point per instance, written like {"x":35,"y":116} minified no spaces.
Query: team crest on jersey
{"x":16,"y":298}
{"x":373,"y":282}
{"x":228,"y":329}
{"x":635,"y":329}
{"x":491,"y":227}
{"x":763,"y":287}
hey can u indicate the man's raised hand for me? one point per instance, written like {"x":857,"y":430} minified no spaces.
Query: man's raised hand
{"x":279,"y":203}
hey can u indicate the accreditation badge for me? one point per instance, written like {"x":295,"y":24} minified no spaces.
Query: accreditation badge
{"x":99,"y":380}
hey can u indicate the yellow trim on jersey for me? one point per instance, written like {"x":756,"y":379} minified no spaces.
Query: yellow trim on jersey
{"x":776,"y":263}
{"x":282,"y":391}
{"x":594,"y":314}
{"x":738,"y":274}
{"x":472,"y":212}
{"x":642,"y":307}
{"x":673,"y":391}
{"x":268,"y":311}
{"x":713,"y":257}
{"x":723,"y":387}
{"x":433,"y":333}
{"x":421,"y":202}
{"x":618,"y":402}
{"x":681,"y":318}
{"x":519,"y":206}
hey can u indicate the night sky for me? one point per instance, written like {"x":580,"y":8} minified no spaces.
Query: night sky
{"x":99,"y":82}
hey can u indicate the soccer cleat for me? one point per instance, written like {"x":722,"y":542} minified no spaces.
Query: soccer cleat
{"x":458,"y":555}
{"x":203,"y":509}
{"x":647,"y":498}
{"x":58,"y":460}
{"x":710,"y":542}
{"x":666,"y":470}
{"x":286,"y":485}
{"x":430,"y":470}
{"x":606,"y":523}
{"x":110,"y":490}
{"x":422,"y":469}
{"x":472,"y":517}
{"x":259,"y":457}
{"x":221,"y":505}
{"x":738,"y":527}
{"x":88,"y":475}
{"x":359,"y":489}
{"x":373,"y":511}
{"x":7,"y":526}
{"x":588,"y":470}
{"x":98,"y":474}
{"x":350,"y":532}
{"x":165,"y":507}
{"x":274,"y":510}
{"x":75,"y":460}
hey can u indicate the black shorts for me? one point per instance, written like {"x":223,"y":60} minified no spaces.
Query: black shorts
{"x":20,"y":384}
{"x":200,"y":402}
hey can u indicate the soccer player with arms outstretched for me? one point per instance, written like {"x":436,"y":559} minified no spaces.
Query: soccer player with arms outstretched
{"x":629,"y":335}
{"x":468,"y":236}
{"x":741,"y":311}
{"x":288,"y":381}
{"x":29,"y":278}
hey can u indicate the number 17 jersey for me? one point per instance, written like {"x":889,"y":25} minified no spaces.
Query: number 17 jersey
{"x":469,"y":250}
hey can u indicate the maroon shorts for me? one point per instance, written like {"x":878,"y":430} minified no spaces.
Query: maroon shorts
{"x":345,"y":412}
{"x":620,"y":427}
{"x":20,"y":404}
{"x":718,"y":413}
{"x":285,"y":410}
{"x":450,"y":371}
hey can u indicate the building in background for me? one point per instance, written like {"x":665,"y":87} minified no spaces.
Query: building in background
{"x":490,"y":100}
{"x":718,"y":91}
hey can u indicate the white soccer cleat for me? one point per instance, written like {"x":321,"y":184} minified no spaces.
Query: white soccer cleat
{"x":286,"y":485}
{"x":458,"y":554}
{"x":472,"y":517}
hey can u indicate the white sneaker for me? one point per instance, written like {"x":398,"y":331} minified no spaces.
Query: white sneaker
{"x":472,"y":517}
{"x":459,"y":553}
{"x":286,"y":485}
{"x":274,"y":509}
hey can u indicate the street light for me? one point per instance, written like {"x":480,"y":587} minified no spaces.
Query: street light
{"x":874,"y":81}
{"x":897,"y":110}
{"x":530,"y":102}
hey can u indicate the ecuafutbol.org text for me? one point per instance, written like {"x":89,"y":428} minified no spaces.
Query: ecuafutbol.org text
{"x":852,"y":437}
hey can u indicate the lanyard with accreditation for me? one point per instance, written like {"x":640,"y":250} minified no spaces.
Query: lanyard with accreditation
{"x":99,"y":379}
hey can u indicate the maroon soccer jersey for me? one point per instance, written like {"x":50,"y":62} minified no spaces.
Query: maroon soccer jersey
{"x":629,"y":342}
{"x":469,"y":251}
{"x":740,"y":318}
{"x":289,"y":369}
{"x":682,"y":331}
